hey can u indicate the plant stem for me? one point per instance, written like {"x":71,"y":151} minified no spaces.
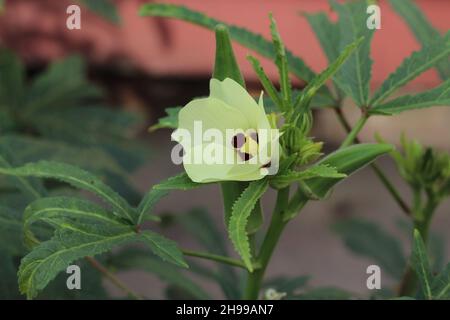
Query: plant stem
{"x":214,"y":257}
{"x":354,"y":132}
{"x":116,"y":281}
{"x":273,"y":234}
{"x":380,"y":174}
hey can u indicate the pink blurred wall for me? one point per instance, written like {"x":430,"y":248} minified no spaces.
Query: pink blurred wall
{"x":37,"y":29}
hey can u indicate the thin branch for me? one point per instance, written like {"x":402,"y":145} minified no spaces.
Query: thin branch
{"x":214,"y":257}
{"x":110,"y":276}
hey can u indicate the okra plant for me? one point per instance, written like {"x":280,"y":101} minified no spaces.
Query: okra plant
{"x":249,"y":145}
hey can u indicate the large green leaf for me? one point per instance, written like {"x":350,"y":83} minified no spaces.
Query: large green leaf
{"x":369,"y":240}
{"x":47,"y":209}
{"x":413,"y":66}
{"x":422,"y":29}
{"x":439,"y":96}
{"x":76,"y":177}
{"x":242,"y":208}
{"x":347,"y":161}
{"x":47,"y":259}
{"x":354,"y":75}
{"x":419,"y":261}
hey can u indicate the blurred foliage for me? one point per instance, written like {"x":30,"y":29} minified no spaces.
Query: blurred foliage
{"x":59,"y":115}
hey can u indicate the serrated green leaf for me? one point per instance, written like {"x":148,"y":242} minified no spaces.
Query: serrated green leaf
{"x":104,"y":8}
{"x":439,"y":96}
{"x":170,"y":121}
{"x":164,"y":248}
{"x":266,"y":83}
{"x":413,"y":66}
{"x":48,"y":209}
{"x":325,"y":171}
{"x":347,"y":161}
{"x":31,"y":188}
{"x":420,"y":264}
{"x":179,"y":182}
{"x":76,"y":177}
{"x":244,"y":37}
{"x":314,"y":86}
{"x":327,"y":32}
{"x":440,"y":285}
{"x":281,"y":63}
{"x":421,"y":28}
{"x":242,"y":208}
{"x":354,"y":75}
{"x":47,"y":259}
{"x":369,"y":240}
{"x":55,"y":89}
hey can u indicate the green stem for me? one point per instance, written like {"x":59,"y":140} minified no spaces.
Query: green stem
{"x":354,"y":132}
{"x":214,"y":257}
{"x":273,"y":234}
{"x":380,"y":174}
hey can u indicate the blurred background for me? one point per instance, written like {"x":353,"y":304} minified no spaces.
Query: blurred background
{"x":145,"y":65}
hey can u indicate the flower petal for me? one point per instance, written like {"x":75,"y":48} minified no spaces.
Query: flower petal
{"x":233,"y":94}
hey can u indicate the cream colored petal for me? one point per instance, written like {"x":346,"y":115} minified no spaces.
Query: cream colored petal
{"x":233,"y":94}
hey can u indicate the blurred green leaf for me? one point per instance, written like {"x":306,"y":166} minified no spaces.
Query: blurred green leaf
{"x":246,"y":38}
{"x":439,"y":96}
{"x":440,"y":285}
{"x":170,"y":121}
{"x":421,"y":28}
{"x":413,"y":66}
{"x":354,"y":75}
{"x":138,"y":259}
{"x":327,"y":32}
{"x":63,"y":85}
{"x":12,"y":83}
{"x":199,"y":224}
{"x":104,"y":8}
{"x":367,"y":239}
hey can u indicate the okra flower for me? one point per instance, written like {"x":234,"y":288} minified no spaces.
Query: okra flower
{"x":227,"y":136}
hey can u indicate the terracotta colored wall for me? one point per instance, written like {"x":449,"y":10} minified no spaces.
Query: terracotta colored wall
{"x":37,"y":30}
